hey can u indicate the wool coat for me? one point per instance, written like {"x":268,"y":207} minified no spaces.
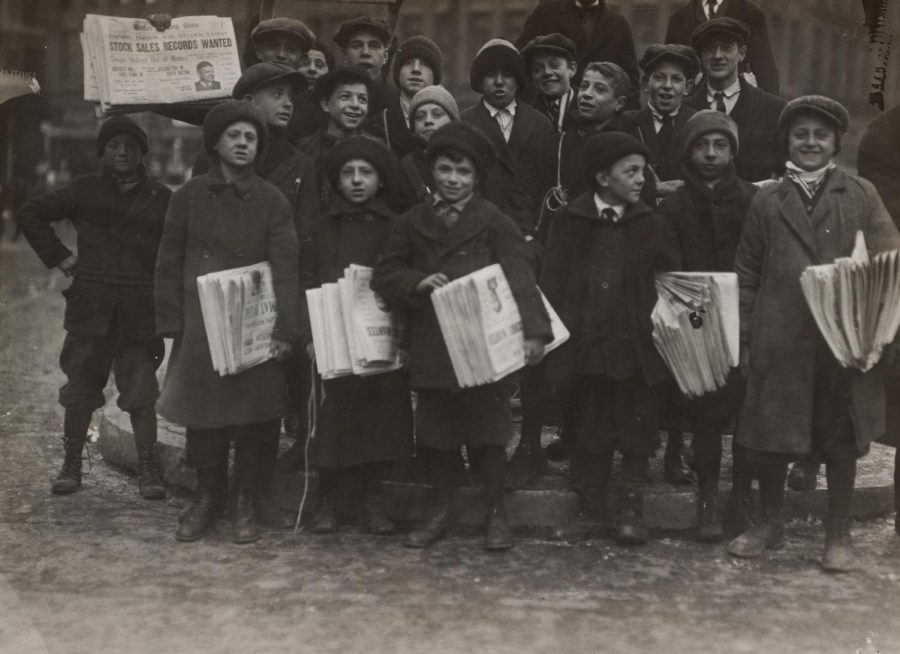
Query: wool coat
{"x":879,"y":159}
{"x":414,"y":180}
{"x":778,"y":242}
{"x":391,"y":126}
{"x":664,"y":162}
{"x":756,"y":113}
{"x":361,"y":419}
{"x":760,"y":60}
{"x":567,"y":265}
{"x":508,"y":185}
{"x":213,"y":225}
{"x":570,"y":119}
{"x":118,"y":238}
{"x":420,"y":244}
{"x":609,"y":40}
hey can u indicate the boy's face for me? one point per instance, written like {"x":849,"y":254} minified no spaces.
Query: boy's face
{"x":366,"y":49}
{"x":428,"y":118}
{"x":358,"y":181}
{"x":347,"y":106}
{"x":414,"y":75}
{"x":499,"y":88}
{"x":237,"y":145}
{"x":721,"y":57}
{"x":666,"y":87}
{"x":274,"y":103}
{"x":552,"y":74}
{"x":622,"y":182}
{"x":280,"y":48}
{"x":122,"y":154}
{"x":455,"y":180}
{"x":710,"y":155}
{"x":313,"y":66}
{"x":811,"y":142}
{"x":597,"y":101}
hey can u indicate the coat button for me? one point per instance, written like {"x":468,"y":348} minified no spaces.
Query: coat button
{"x":245,"y":196}
{"x":604,"y":285}
{"x":369,"y":219}
{"x":462,"y":253}
{"x":239,"y":253}
{"x":206,"y":254}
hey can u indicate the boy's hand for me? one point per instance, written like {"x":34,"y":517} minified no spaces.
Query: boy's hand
{"x":160,"y":22}
{"x":667,"y":188}
{"x":432,"y":282}
{"x":311,"y":351}
{"x":534,"y":351}
{"x":68,"y":265}
{"x":280,"y":350}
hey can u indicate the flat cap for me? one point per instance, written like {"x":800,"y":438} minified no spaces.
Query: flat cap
{"x":658,"y":53}
{"x":831,"y":110}
{"x":367,"y":23}
{"x":289,"y":26}
{"x":263,"y":74}
{"x":554,"y":43}
{"x":731,"y":28}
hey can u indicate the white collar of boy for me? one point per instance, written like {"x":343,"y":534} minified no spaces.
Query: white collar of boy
{"x":510,"y":108}
{"x":438,"y":200}
{"x":601,"y":205}
{"x":404,"y":107}
{"x":658,"y":116}
{"x":729,"y":93}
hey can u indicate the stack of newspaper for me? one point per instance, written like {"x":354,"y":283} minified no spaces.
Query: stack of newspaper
{"x":354,"y":332}
{"x":14,"y":83}
{"x":129,"y":66}
{"x":856,"y":303}
{"x":482,"y":328}
{"x":696,"y":328}
{"x":239,"y":313}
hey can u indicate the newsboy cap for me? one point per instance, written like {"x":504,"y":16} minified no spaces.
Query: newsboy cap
{"x":730,"y":28}
{"x":681,"y":55}
{"x":465,"y":138}
{"x":230,"y":112}
{"x":831,"y":110}
{"x":259,"y":75}
{"x":555,"y":43}
{"x":289,"y":26}
{"x":606,"y":148}
{"x":121,"y":125}
{"x":362,"y":23}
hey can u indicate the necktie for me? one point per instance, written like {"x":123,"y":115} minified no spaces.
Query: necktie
{"x":447,"y":212}
{"x":504,"y":119}
{"x":712,"y":8}
{"x":720,"y":102}
{"x":664,"y":135}
{"x":609,"y":214}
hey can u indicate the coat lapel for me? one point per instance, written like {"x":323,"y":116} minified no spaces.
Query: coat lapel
{"x":647,"y":133}
{"x":146,"y":196}
{"x":523,"y":126}
{"x":793,"y":213}
{"x":473,"y":220}
{"x":482,"y":120}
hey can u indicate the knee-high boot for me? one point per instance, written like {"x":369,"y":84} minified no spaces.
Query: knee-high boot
{"x":839,"y":555}
{"x":768,"y":533}
{"x":75,"y":427}
{"x":201,"y":516}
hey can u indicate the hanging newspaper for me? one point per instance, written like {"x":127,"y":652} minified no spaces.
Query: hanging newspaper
{"x":130,"y":66}
{"x":482,"y":327}
{"x":855,"y":301}
{"x":354,"y":332}
{"x":14,"y":83}
{"x":239,"y":312}
{"x":696,"y":328}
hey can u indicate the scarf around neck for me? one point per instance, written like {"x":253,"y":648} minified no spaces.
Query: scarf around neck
{"x":809,"y":181}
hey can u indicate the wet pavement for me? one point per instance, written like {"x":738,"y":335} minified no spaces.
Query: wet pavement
{"x":99,"y":571}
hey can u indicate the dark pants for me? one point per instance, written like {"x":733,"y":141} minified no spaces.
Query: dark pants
{"x":208,"y":448}
{"x":87,"y":360}
{"x":474,"y":417}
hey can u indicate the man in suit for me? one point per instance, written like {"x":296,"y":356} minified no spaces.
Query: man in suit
{"x":552,"y":61}
{"x":364,"y":43}
{"x":760,"y":60}
{"x":515,"y":129}
{"x":722,"y":45}
{"x":600,"y":32}
{"x":207,"y":75}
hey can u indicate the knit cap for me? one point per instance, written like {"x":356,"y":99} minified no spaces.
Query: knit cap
{"x":433,"y":95}
{"x":497,"y":54}
{"x":423,"y":48}
{"x":230,"y":112}
{"x":606,"y":148}
{"x":465,"y":138}
{"x":704,"y":122}
{"x":360,"y":147}
{"x":121,"y":125}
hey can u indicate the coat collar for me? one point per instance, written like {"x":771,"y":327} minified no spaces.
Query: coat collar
{"x":375,"y":206}
{"x":146,"y":192}
{"x":475,"y":218}
{"x":242,"y":186}
{"x":584,"y":207}
{"x":793,"y":212}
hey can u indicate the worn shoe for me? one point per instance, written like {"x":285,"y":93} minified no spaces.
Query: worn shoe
{"x":201,"y":516}
{"x":803,"y":476}
{"x":709,"y":522}
{"x":324,"y":521}
{"x":375,"y":518}
{"x":497,"y":534}
{"x":738,"y":516}
{"x":434,"y":529}
{"x":244,"y":529}
{"x":69,"y":478}
{"x":525,"y":467}
{"x":631,"y":530}
{"x":767,"y":535}
{"x":150,"y":484}
{"x":839,"y":555}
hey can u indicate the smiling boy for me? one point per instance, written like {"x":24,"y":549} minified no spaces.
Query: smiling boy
{"x":552,"y":62}
{"x":364,"y":43}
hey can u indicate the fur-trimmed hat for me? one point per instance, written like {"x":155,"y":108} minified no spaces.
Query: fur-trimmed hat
{"x":606,"y":148}
{"x":121,"y":125}
{"x":290,"y":26}
{"x":423,"y":48}
{"x":555,"y":43}
{"x":730,"y":28}
{"x":462,"y":137}
{"x":259,"y":75}
{"x":498,"y":54}
{"x":360,"y":147}
{"x":433,"y":95}
{"x":657,"y":53}
{"x":704,"y":122}
{"x":326,"y":84}
{"x":360,"y":23}
{"x":230,"y":112}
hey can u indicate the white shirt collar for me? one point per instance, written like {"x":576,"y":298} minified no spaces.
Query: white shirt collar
{"x":601,"y":205}
{"x":511,"y":108}
{"x":730,"y":92}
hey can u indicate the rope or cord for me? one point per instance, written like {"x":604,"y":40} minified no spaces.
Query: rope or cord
{"x":311,"y":419}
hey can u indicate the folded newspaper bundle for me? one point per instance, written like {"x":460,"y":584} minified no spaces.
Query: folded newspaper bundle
{"x":354,"y":332}
{"x":238,"y":308}
{"x":482,"y":327}
{"x":129,"y":66}
{"x":855,"y":301}
{"x":696,"y":328}
{"x":14,"y":83}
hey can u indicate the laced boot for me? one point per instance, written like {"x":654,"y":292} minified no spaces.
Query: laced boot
{"x":244,"y":529}
{"x":768,"y":533}
{"x":265,"y":505}
{"x":75,"y":428}
{"x":201,"y":516}
{"x":150,"y":484}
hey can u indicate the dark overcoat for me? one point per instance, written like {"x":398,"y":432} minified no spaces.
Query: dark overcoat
{"x":761,"y":153}
{"x":508,"y":184}
{"x":879,"y":159}
{"x":419,"y":245}
{"x":665,"y":163}
{"x":117,"y":240}
{"x":414,"y":179}
{"x":392,"y":127}
{"x":566,"y":270}
{"x":760,"y":60}
{"x":361,"y":419}
{"x":213,"y":226}
{"x":778,"y":242}
{"x":570,"y":119}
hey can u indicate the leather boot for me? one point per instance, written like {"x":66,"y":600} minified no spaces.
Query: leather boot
{"x":803,"y":476}
{"x":324,"y":520}
{"x":244,"y":529}
{"x":375,"y":518}
{"x":497,"y":534}
{"x":768,"y":533}
{"x":709,"y":521}
{"x":143,"y":424}
{"x":839,"y":555}
{"x":201,"y":516}
{"x":265,"y":506}
{"x":739,"y":514}
{"x":526,"y":466}
{"x":75,"y":428}
{"x":435,"y":528}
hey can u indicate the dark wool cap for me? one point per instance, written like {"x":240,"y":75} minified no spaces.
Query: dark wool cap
{"x":288,"y":26}
{"x":121,"y":125}
{"x":423,"y":48}
{"x":555,"y":43}
{"x":227,"y":113}
{"x":831,"y":110}
{"x":260,"y":75}
{"x":606,"y":148}
{"x":730,"y":28}
{"x":360,"y":147}
{"x":681,"y":55}
{"x":349,"y":28}
{"x":465,"y":138}
{"x":343,"y":75}
{"x":704,"y":122}
{"x":497,"y":54}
